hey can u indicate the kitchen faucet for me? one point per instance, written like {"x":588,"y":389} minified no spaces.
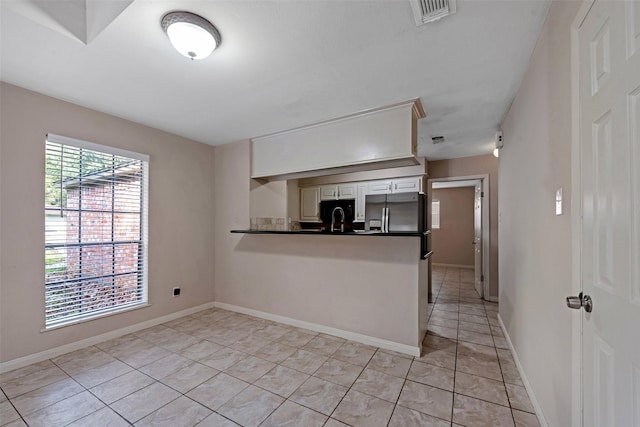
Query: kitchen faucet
{"x":333,"y":218}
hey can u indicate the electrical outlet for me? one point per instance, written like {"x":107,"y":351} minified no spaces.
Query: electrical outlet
{"x":176,"y":292}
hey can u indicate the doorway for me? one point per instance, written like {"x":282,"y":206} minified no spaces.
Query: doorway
{"x":459,"y":219}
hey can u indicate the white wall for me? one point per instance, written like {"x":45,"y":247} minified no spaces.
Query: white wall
{"x":181,"y":210}
{"x":535,"y":244}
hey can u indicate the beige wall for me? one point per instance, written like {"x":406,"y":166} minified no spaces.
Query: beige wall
{"x":451,"y":243}
{"x":267,"y":199}
{"x":535,"y":244}
{"x":181,"y":247}
{"x":362,"y":284}
{"x":477,"y":165}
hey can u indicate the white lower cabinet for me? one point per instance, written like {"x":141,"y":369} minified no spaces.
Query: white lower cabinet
{"x":310,"y":204}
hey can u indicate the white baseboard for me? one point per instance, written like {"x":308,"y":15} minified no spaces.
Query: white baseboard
{"x":492,"y":299}
{"x":77,"y":345}
{"x":438,"y":264}
{"x":525,"y":381}
{"x":353,"y":336}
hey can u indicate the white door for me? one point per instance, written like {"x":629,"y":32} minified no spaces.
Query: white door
{"x":609,"y":97}
{"x":477,"y":238}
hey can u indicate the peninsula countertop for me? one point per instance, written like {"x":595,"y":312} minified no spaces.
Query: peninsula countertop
{"x":337,"y":233}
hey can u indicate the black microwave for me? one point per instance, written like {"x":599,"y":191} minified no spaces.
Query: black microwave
{"x":328,"y":207}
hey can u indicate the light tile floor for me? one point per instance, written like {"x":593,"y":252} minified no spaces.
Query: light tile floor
{"x":219,"y":368}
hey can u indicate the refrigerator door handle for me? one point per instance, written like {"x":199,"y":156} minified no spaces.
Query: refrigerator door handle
{"x":385,"y":220}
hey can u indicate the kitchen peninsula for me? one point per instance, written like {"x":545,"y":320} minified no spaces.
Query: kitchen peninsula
{"x":371,"y":288}
{"x":363,"y":286}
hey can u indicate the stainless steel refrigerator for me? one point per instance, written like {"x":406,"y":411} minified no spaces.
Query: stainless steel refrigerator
{"x":402,"y":212}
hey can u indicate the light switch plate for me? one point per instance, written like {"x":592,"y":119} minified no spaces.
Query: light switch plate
{"x":559,"y":201}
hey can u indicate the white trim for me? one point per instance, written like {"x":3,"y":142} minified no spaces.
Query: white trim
{"x":77,"y":345}
{"x":58,"y":139}
{"x":438,"y":264}
{"x":576,"y":217}
{"x":353,"y":336}
{"x":527,"y":385}
{"x":486,"y":227}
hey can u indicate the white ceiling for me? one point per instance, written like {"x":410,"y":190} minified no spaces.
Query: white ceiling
{"x":281,"y":64}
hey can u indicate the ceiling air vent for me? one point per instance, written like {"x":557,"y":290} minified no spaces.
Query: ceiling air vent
{"x":437,"y":139}
{"x":425,"y":11}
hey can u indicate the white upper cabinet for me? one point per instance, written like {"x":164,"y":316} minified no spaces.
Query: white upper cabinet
{"x":338,"y":191}
{"x":379,"y":187}
{"x":310,"y":197}
{"x":407,"y":185}
{"x":310,"y":204}
{"x":347,"y":191}
{"x":329,"y":192}
{"x":363,"y":141}
{"x":400,"y":185}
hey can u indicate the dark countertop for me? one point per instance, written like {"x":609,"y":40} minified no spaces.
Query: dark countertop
{"x":327,"y":233}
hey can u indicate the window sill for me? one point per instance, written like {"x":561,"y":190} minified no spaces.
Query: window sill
{"x":96,"y":317}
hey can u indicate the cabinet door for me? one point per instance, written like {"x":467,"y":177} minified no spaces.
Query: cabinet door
{"x":379,"y":187}
{"x":407,"y":185}
{"x":328,"y":192}
{"x":361,"y":196}
{"x":310,"y":204}
{"x":347,"y":191}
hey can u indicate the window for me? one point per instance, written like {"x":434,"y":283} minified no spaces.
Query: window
{"x":95,"y":230}
{"x":435,"y":213}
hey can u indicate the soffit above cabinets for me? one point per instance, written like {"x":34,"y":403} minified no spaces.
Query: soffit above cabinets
{"x":384,"y":137}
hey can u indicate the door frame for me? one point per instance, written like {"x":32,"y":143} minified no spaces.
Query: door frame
{"x":486,"y":225}
{"x":576,"y":217}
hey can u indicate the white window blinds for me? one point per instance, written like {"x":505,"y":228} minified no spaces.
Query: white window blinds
{"x":95,"y":230}
{"x":435,"y":214}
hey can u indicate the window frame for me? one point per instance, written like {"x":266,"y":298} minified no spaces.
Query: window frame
{"x":142,"y":269}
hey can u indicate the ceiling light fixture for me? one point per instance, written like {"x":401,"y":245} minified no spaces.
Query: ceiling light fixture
{"x":191,"y":34}
{"x":496,"y":152}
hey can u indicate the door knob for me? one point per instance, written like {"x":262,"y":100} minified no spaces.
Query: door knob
{"x":581,"y":301}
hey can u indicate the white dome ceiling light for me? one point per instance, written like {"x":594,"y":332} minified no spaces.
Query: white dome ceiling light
{"x":191,"y":34}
